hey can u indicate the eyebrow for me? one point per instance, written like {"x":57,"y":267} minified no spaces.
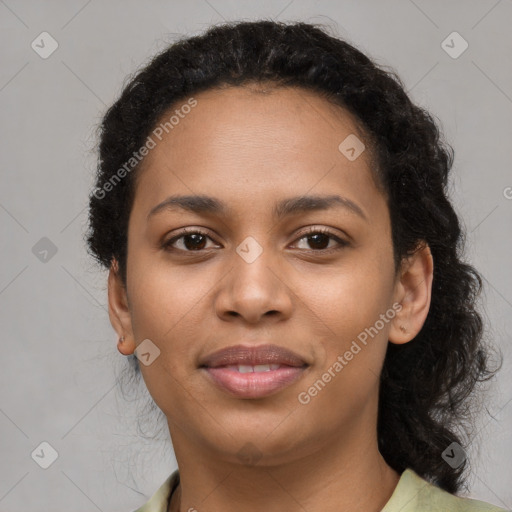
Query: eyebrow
{"x":202,"y":204}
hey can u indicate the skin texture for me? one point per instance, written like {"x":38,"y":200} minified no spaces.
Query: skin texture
{"x":251,"y":149}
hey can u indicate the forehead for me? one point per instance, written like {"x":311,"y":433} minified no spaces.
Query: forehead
{"x":255,"y":139}
{"x":287,"y":118}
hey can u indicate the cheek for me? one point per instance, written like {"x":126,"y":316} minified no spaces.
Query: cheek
{"x":167,"y":307}
{"x":161,"y":297}
{"x":161,"y":312}
{"x":350,"y":304}
{"x":351,"y":296}
{"x":345,"y":381}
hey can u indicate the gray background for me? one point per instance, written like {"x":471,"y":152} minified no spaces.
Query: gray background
{"x":59,"y":356}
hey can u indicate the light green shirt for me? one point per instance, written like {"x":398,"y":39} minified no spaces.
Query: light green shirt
{"x":412,"y":494}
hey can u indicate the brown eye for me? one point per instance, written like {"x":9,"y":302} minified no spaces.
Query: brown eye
{"x":319,"y":239}
{"x":188,"y":241}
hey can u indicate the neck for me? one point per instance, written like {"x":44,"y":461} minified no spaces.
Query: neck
{"x":347,"y":474}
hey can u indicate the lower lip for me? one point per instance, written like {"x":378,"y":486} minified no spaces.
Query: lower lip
{"x":254,"y":384}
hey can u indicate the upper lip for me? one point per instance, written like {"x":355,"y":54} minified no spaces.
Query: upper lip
{"x":252,"y":355}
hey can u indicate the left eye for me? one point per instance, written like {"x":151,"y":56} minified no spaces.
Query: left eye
{"x":196,"y":240}
{"x":318,"y":237}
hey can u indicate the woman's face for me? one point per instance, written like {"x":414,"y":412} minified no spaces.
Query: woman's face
{"x":256,"y":278}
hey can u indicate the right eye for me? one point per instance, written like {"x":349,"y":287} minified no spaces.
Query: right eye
{"x":192,"y":240}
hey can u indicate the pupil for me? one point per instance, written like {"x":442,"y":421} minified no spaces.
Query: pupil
{"x":316,"y":241}
{"x":196,"y":244}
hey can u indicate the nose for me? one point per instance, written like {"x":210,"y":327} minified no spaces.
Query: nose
{"x":252,"y":291}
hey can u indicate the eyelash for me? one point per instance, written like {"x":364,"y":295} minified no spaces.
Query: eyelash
{"x":312,"y":231}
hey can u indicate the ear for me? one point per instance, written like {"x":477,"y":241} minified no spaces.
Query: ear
{"x":118,"y":310}
{"x":413,"y":290}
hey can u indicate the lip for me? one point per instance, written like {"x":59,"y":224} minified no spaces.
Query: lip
{"x":220,"y":367}
{"x":252,"y":355}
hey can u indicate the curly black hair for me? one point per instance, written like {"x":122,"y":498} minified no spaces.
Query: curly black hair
{"x":427,"y":385}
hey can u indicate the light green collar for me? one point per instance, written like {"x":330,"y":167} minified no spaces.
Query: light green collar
{"x":412,"y":494}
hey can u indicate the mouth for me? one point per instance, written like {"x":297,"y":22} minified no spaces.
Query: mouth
{"x":253,"y":371}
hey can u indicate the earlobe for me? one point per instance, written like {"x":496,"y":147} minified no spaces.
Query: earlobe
{"x":125,"y":347}
{"x":413,"y":291}
{"x":118,"y":310}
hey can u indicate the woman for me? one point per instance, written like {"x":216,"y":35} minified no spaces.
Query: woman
{"x":287,"y":269}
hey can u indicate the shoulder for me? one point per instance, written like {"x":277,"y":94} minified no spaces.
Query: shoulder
{"x":414,"y":494}
{"x":160,"y":499}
